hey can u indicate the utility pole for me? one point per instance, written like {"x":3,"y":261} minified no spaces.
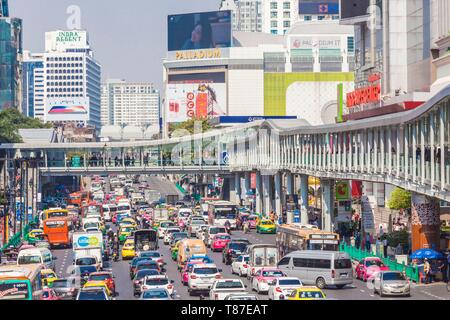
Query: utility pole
{"x":21,"y":197}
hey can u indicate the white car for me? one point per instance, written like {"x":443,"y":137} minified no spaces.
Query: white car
{"x":211,"y":232}
{"x":194,"y":225}
{"x":199,"y":233}
{"x":222,"y":288}
{"x":163,"y":227}
{"x":202,"y":277}
{"x":263,"y":277}
{"x":283,"y":287}
{"x":168,"y":233}
{"x":158,"y":282}
{"x":240,"y":265}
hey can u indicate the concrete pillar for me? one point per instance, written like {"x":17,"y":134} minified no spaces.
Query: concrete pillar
{"x":327,"y":187}
{"x":304,"y":198}
{"x":267,"y":194}
{"x":247,"y":183}
{"x":237,"y":187}
{"x":278,"y":194}
{"x":289,"y":183}
{"x":259,"y":194}
{"x":425,"y":222}
{"x":233,"y":193}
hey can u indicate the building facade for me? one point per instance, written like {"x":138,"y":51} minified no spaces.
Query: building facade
{"x":317,"y":10}
{"x":32,"y":83}
{"x":278,"y":16}
{"x":10,"y":60}
{"x":263,"y":75}
{"x":130,"y":104}
{"x":246,"y":15}
{"x":71,"y":80}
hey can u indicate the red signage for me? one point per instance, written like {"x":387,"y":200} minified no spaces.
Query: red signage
{"x":364,"y":95}
{"x":253,"y":180}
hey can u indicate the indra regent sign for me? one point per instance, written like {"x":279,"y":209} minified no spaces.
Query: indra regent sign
{"x":69,"y":36}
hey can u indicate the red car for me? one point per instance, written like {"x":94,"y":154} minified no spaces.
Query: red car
{"x":368,"y":267}
{"x":107,"y":277}
{"x":49,"y":294}
{"x":220,"y":241}
{"x":114,"y":218}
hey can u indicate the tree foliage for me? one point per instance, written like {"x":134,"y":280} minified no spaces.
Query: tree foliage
{"x":400,"y":199}
{"x":11,"y":120}
{"x":189,"y":126}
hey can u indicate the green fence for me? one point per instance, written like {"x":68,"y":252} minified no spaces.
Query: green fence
{"x":411,"y":272}
{"x":15,"y":240}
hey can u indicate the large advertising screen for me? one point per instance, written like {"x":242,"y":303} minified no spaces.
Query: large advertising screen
{"x":199,"y":95}
{"x":318,"y":7}
{"x":195,"y":31}
{"x":67,"y":109}
{"x":354,"y":8}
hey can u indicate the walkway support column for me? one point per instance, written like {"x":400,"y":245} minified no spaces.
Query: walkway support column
{"x":304,"y":198}
{"x":259,"y":194}
{"x":278,"y":194}
{"x":289,"y":183}
{"x":327,"y":187}
{"x":237,"y":187}
{"x":425,"y":222}
{"x":267,"y":192}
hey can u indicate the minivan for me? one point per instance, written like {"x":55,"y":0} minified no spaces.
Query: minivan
{"x":38,"y":255}
{"x":320,"y":268}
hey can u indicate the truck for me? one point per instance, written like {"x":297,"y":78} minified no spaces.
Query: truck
{"x":160,"y":214}
{"x":88,"y":244}
{"x":152,"y":195}
{"x":172,"y":198}
{"x":223,"y":287}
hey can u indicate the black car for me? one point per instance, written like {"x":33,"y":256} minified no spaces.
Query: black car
{"x":133,"y":264}
{"x":140,"y":275}
{"x":146,"y":264}
{"x":65,"y":288}
{"x":232,"y":250}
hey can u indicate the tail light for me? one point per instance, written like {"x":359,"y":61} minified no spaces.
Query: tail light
{"x":216,"y":296}
{"x":169,"y":286}
{"x":245,"y":265}
{"x":137,"y":282}
{"x":278,"y":289}
{"x":218,"y":276}
{"x":193,"y":276}
{"x":229,"y":251}
{"x":333,"y":273}
{"x":160,"y":261}
{"x":253,"y":271}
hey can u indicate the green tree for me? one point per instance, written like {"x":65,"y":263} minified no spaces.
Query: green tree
{"x":11,"y":120}
{"x":189,"y":126}
{"x":400,"y":199}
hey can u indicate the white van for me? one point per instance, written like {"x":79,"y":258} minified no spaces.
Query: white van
{"x":38,"y":255}
{"x":319,"y":268}
{"x":91,"y":223}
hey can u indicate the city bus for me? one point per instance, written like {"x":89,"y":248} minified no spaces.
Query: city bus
{"x":74,"y":199}
{"x":21,"y":282}
{"x":221,"y":211}
{"x":294,"y":237}
{"x":57,"y":232}
{"x":56,"y":213}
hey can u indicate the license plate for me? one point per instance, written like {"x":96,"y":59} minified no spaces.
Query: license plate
{"x":344,"y":275}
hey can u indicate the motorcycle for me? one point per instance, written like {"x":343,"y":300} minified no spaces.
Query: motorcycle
{"x":115,"y":256}
{"x":228,"y":229}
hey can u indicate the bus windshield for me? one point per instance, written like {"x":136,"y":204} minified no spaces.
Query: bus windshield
{"x":55,"y":224}
{"x":57,"y":214}
{"x":225,"y":213}
{"x":14,"y":290}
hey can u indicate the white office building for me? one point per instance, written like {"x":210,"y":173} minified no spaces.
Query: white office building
{"x":130,"y":104}
{"x":279,"y":15}
{"x":246,"y":15}
{"x":71,"y":77}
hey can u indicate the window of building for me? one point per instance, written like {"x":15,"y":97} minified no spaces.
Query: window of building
{"x":350,"y":44}
{"x":273,"y":24}
{"x":286,"y":24}
{"x":274,"y":14}
{"x":321,"y":18}
{"x":274,"y":5}
{"x":287,"y":5}
{"x":274,"y":31}
{"x":286,"y":15}
{"x":308,"y":18}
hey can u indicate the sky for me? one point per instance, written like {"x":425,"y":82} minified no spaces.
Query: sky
{"x":129,"y":37}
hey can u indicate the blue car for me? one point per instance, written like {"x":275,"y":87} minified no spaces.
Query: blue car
{"x":203,"y":258}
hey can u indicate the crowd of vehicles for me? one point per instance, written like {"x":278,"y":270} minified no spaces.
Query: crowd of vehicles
{"x":125,"y":226}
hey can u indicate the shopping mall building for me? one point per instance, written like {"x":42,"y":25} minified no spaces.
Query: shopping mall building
{"x":263,"y":75}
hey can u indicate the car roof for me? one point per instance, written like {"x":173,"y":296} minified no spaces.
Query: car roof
{"x":221,"y":234}
{"x":206,"y":265}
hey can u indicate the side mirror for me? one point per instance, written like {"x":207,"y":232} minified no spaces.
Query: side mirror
{"x":220,"y":270}
{"x":172,"y":281}
{"x":245,"y":286}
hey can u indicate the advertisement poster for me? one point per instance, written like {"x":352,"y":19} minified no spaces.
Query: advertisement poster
{"x":343,"y":190}
{"x":196,"y":96}
{"x":67,"y":109}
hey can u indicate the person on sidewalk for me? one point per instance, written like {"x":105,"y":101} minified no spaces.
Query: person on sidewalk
{"x":368,"y":244}
{"x":385,"y":247}
{"x":443,"y":269}
{"x":427,"y":271}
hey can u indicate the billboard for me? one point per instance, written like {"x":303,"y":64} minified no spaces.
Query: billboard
{"x":63,"y":40}
{"x":313,"y":42}
{"x":318,"y":7}
{"x":67,"y":109}
{"x":354,"y":8}
{"x":205,"y":30}
{"x":197,"y":95}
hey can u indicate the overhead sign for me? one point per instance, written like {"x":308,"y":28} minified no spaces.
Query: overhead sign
{"x":366,"y":95}
{"x":317,"y":7}
{"x":343,"y":190}
{"x":67,"y":109}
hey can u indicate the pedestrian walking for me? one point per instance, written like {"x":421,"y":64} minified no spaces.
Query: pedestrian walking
{"x":357,"y":240}
{"x":427,"y":271}
{"x":385,"y":247}
{"x":368,"y":244}
{"x":443,"y":268}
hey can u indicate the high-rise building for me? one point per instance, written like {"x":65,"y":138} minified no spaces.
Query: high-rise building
{"x":246,"y":15}
{"x":317,"y":10}
{"x":279,"y":15}
{"x":130,"y":104}
{"x":10,"y":59}
{"x":71,"y":80}
{"x":32,"y":83}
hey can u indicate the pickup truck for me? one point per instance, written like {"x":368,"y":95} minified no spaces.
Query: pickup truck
{"x":223,"y":287}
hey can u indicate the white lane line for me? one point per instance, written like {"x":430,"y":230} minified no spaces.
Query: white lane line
{"x":432,"y":295}
{"x":362,"y":290}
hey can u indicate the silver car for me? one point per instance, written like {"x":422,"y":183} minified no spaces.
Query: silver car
{"x":391,"y":283}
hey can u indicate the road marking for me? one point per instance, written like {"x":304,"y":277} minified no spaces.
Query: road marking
{"x":362,"y":290}
{"x":432,"y":295}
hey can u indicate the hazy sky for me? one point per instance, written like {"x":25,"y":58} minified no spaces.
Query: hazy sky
{"x":129,"y":37}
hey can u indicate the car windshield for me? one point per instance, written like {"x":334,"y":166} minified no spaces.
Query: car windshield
{"x":184,"y":214}
{"x":289,"y":282}
{"x":146,"y":272}
{"x":374,"y":262}
{"x":272,"y":273}
{"x":92,"y":295}
{"x":87,"y":269}
{"x":229,"y":285}
{"x":123,"y":208}
{"x":156,"y":281}
{"x":393,"y":276}
{"x":167,"y":224}
{"x":85,"y":261}
{"x":99,"y":277}
{"x":266,"y":222}
{"x":180,"y":235}
{"x":206,"y":270}
{"x":217,"y":230}
{"x":147,"y":266}
{"x":29,"y":259}
{"x":238,"y":246}
{"x":151,"y":254}
{"x":223,"y":237}
{"x":155,"y":294}
{"x":311,"y":294}
{"x":197,"y":221}
{"x":172,"y":231}
{"x":60,"y":284}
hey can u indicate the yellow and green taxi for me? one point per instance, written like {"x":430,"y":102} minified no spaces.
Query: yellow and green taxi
{"x":306,"y":293}
{"x":128,"y":251}
{"x":156,"y":225}
{"x":265,"y":226}
{"x":128,"y":222}
{"x":174,"y":250}
{"x":124,"y":232}
{"x":48,"y":276}
{"x":34,"y":235}
{"x":98,"y":284}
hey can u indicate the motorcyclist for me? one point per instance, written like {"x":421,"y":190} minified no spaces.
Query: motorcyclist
{"x":227,"y":225}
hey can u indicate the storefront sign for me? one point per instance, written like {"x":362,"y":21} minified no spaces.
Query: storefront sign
{"x":198,"y":54}
{"x":366,"y":95}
